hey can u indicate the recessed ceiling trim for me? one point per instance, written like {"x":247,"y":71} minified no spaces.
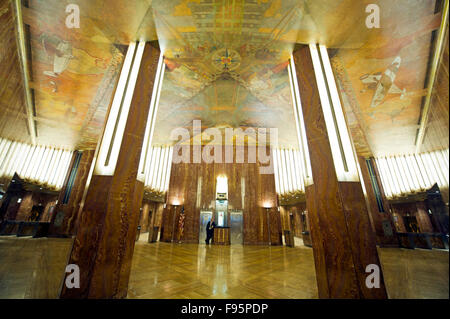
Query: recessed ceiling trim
{"x":25,"y":71}
{"x":431,"y":80}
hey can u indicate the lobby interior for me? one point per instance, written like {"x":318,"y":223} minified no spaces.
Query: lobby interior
{"x":314,"y":133}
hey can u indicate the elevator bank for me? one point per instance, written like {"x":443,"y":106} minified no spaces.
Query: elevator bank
{"x":229,"y":223}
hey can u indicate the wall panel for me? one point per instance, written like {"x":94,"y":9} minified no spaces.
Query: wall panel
{"x":247,"y":190}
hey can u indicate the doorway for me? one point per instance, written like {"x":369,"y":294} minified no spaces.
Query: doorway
{"x":236,"y":224}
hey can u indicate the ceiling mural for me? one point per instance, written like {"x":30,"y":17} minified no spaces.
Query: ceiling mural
{"x":226,"y":65}
{"x":384,"y":84}
{"x":73,"y":75}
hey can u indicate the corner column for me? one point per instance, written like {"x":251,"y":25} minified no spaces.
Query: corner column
{"x":65,"y":217}
{"x":104,"y":244}
{"x":342,"y":238}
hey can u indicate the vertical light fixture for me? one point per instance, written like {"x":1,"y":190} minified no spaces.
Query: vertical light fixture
{"x":147,"y":149}
{"x":115,"y":126}
{"x":340,"y":142}
{"x":305,"y":163}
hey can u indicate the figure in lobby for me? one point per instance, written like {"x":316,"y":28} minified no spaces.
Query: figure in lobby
{"x":210,"y":230}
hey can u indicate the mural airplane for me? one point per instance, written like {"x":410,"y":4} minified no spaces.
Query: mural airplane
{"x":383,"y":83}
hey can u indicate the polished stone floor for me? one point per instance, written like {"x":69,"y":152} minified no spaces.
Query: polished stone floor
{"x":163,"y":270}
{"x":33,"y":268}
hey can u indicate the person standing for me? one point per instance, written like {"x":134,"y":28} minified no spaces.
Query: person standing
{"x":210,"y":230}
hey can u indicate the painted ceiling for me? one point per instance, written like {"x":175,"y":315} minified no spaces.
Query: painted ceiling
{"x":226,"y":64}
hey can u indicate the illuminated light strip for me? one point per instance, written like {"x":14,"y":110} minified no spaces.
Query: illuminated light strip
{"x":275,"y":170}
{"x":159,"y":169}
{"x":44,"y":164}
{"x":33,"y":163}
{"x":390,"y":176}
{"x":148,"y":163}
{"x":280,"y":170}
{"x":298,"y":173}
{"x":15,"y":159}
{"x":50,"y":167}
{"x":160,"y":185}
{"x":444,"y":165}
{"x":442,"y":157}
{"x":2,"y":145}
{"x":26,"y":160}
{"x":37,"y":160}
{"x":396,"y":176}
{"x":167,"y":166}
{"x":106,"y":160}
{"x":404,"y":165}
{"x":283,"y":167}
{"x":300,"y":125}
{"x":169,"y":169}
{"x":439,"y":169}
{"x":156,"y":166}
{"x":7,"y":153}
{"x":295,"y":183}
{"x":345,"y":169}
{"x":64,"y":170}
{"x":418,"y":172}
{"x":18,"y":160}
{"x":152,"y":166}
{"x":56,"y":170}
{"x":432,"y":169}
{"x":54,"y":167}
{"x":398,"y":179}
{"x":29,"y":166}
{"x":423,"y":171}
{"x":159,"y":166}
{"x":386,"y":186}
{"x":151,"y":119}
{"x":403,"y":177}
{"x":288,"y":170}
{"x":413,"y":173}
{"x":344,"y":135}
{"x":10,"y":157}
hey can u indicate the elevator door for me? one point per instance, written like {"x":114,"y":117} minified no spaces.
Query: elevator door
{"x":236,"y":224}
{"x":205,"y":216}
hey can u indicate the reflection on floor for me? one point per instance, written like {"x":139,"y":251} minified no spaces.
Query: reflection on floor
{"x":163,"y":270}
{"x":417,"y":273}
{"x":33,"y":268}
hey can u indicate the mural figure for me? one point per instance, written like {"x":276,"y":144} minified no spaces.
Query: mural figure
{"x":383,"y":83}
{"x":61,"y":52}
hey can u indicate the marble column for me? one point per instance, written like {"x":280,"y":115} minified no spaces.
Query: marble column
{"x":65,"y":216}
{"x":343,"y":241}
{"x":105,"y":239}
